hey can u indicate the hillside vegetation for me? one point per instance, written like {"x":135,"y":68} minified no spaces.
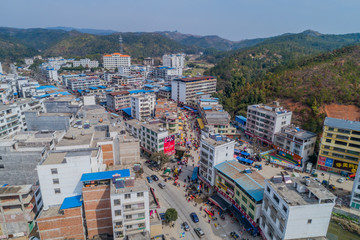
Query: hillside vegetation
{"x":311,"y":82}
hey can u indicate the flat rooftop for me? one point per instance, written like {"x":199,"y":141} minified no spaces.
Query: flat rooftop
{"x":195,"y":79}
{"x":75,"y":138}
{"x":297,"y":132}
{"x":271,"y":108}
{"x":15,"y":190}
{"x":293,"y":197}
{"x":341,"y":123}
{"x":139,"y":186}
{"x":252,"y":183}
{"x":59,"y":157}
{"x":53,"y":211}
{"x":104,"y":175}
{"x":214,"y":142}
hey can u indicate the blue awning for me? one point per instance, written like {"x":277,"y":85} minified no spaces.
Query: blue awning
{"x":194,"y":176}
{"x":207,"y":108}
{"x":191,"y":109}
{"x":127,"y":111}
{"x":241,"y":159}
{"x":245,"y":153}
{"x":248,"y":226}
{"x":102,"y":87}
{"x":15,"y":93}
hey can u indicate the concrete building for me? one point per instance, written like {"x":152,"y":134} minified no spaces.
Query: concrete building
{"x":264,"y":120}
{"x":148,"y":61}
{"x":167,"y":73}
{"x":129,"y":150}
{"x":115,"y":60}
{"x":29,"y":61}
{"x":175,"y":61}
{"x":116,"y":101}
{"x":12,"y":118}
{"x":355,"y":195}
{"x":61,"y":170}
{"x":164,"y":92}
{"x":143,"y":106}
{"x":340,"y":146}
{"x":18,"y":205}
{"x":295,"y":208}
{"x":64,"y":104}
{"x":241,"y":190}
{"x":214,"y":150}
{"x":82,"y":83}
{"x":36,"y":121}
{"x":297,"y":143}
{"x":168,"y":113}
{"x":86,"y":63}
{"x":184,"y":89}
{"x":1,"y":70}
{"x":21,"y":153}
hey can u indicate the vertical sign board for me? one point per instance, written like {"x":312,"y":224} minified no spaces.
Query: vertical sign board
{"x":169,"y":145}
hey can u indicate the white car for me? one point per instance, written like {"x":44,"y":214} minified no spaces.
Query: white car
{"x":341,"y":180}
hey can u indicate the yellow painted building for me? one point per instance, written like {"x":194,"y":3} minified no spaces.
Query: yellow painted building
{"x":340,"y":146}
{"x":243,"y":190}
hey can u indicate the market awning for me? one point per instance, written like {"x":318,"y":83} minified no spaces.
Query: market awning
{"x":245,"y":153}
{"x":201,"y":124}
{"x":241,"y":159}
{"x":248,"y":226}
{"x":127,"y":111}
{"x":220,"y":202}
{"x":194,"y":176}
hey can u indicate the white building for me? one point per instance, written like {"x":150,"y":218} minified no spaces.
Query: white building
{"x":29,"y":61}
{"x":297,"y":141}
{"x":184,"y":89}
{"x":1,"y":70}
{"x":355,"y":195}
{"x":167,"y":73}
{"x":133,"y":70}
{"x":60,"y":173}
{"x":82,"y":82}
{"x":174,"y":60}
{"x":214,"y":149}
{"x":143,"y":106}
{"x":295,"y":208}
{"x":86,"y":63}
{"x":264,"y":120}
{"x":115,"y":60}
{"x":129,"y":207}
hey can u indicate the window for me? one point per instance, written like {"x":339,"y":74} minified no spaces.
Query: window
{"x":127,"y":206}
{"x":343,"y":131}
{"x":128,"y":216}
{"x":243,"y":207}
{"x":331,"y":129}
{"x":329,"y":135}
{"x":268,"y":189}
{"x":128,"y":226}
{"x":237,"y":201}
{"x":340,"y":143}
{"x":54,"y":171}
{"x":117,"y":212}
{"x":55,"y":181}
{"x":276,"y":198}
{"x":57,"y":190}
{"x":284,"y":208}
{"x":244,"y":199}
{"x":140,"y":194}
{"x":237,"y":192}
{"x":328,"y":140}
{"x":250,"y":215}
{"x":141,"y":215}
{"x":0,"y":157}
{"x":309,"y":221}
{"x":116,"y":202}
{"x":127,"y":196}
{"x":2,"y":166}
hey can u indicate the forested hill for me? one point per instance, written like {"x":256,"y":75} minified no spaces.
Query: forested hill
{"x":309,"y":83}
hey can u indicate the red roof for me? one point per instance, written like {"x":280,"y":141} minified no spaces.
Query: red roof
{"x":119,"y":93}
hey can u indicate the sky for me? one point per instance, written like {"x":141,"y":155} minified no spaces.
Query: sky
{"x":230,"y":19}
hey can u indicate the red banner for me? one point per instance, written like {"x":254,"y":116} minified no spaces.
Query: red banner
{"x":169,"y":145}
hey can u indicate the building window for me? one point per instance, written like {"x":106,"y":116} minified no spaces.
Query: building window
{"x":250,"y":215}
{"x":331,"y":129}
{"x":2,"y":166}
{"x":0,"y":157}
{"x":328,"y":140}
{"x":237,"y":201}
{"x":244,"y":199}
{"x":309,"y":221}
{"x":128,"y":216}
{"x":116,"y":202}
{"x":237,"y":192}
{"x":251,"y":207}
{"x":127,"y":196}
{"x":57,"y":190}
{"x":127,"y":206}
{"x":54,"y":171}
{"x":117,"y":212}
{"x":276,"y":198}
{"x":284,"y":208}
{"x":55,"y":181}
{"x":140,"y":194}
{"x":268,"y":189}
{"x":141,"y":215}
{"x":129,"y":227}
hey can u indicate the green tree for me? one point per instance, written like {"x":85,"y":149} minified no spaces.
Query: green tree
{"x":160,"y":157}
{"x":171,"y":215}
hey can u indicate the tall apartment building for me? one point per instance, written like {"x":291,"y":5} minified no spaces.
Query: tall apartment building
{"x":12,"y":118}
{"x":115,"y":60}
{"x":82,"y":83}
{"x":355,"y":195}
{"x":174,"y":60}
{"x":214,"y":150}
{"x":116,"y":101}
{"x":296,"y":141}
{"x":167,"y":73}
{"x":19,"y":205}
{"x":241,"y":191}
{"x":264,"y":120}
{"x":340,"y":146}
{"x":295,"y":208}
{"x":86,"y":63}
{"x":184,"y":89}
{"x":143,"y":106}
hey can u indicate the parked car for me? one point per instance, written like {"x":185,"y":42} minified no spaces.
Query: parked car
{"x":155,"y":178}
{"x":199,"y":232}
{"x":149,"y":179}
{"x":341,"y":180}
{"x":162,"y":185}
{"x":186,"y":226}
{"x":234,"y":235}
{"x":194,"y":217}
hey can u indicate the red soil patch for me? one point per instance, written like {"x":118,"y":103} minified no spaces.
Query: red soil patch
{"x":347,"y":112}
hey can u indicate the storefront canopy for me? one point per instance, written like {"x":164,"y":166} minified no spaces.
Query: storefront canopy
{"x":220,"y":202}
{"x":241,"y":159}
{"x":248,"y":226}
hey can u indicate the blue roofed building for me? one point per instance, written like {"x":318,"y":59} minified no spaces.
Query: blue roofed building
{"x":240,"y":121}
{"x":242,"y":189}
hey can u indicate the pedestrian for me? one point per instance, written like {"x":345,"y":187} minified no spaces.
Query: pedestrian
{"x":209,"y":221}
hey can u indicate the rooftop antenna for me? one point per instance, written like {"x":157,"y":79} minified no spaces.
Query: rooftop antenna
{"x":121,"y":44}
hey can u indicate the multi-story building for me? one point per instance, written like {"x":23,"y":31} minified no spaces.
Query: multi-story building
{"x":153,"y":135}
{"x":340,"y":146}
{"x":12,"y":118}
{"x":143,"y":106}
{"x":264,"y":120}
{"x":165,"y":92}
{"x":1,"y":70}
{"x":174,"y":60}
{"x":116,"y":101}
{"x":86,"y":63}
{"x":214,"y":150}
{"x":29,"y":61}
{"x":295,"y":208}
{"x":242,"y":189}
{"x":129,"y":207}
{"x":19,"y":205}
{"x":115,"y":60}
{"x":148,"y":61}
{"x":355,"y":195}
{"x":168,"y":113}
{"x":184,"y":89}
{"x":296,"y":142}
{"x":167,"y":73}
{"x":82,"y":82}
